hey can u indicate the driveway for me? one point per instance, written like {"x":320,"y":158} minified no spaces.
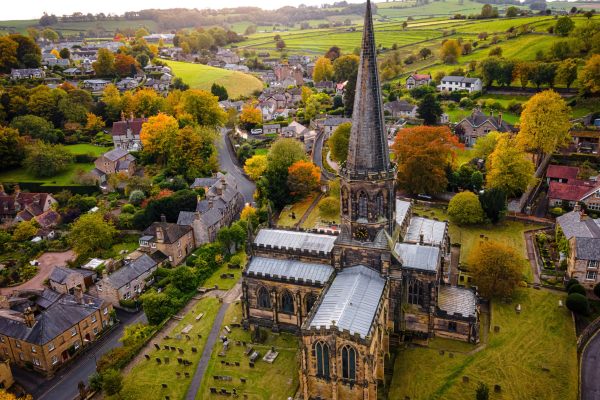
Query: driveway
{"x":47,"y":262}
{"x":590,"y":385}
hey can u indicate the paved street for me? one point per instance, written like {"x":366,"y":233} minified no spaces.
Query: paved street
{"x":64,"y":385}
{"x":230,"y":164}
{"x":590,"y":384}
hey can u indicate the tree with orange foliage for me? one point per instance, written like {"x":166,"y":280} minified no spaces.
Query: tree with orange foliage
{"x":251,"y":116}
{"x":423,"y":154}
{"x":158,"y":135}
{"x":303,"y":178}
{"x":67,"y":87}
{"x":122,"y":64}
{"x":160,"y":195}
{"x":94,"y":123}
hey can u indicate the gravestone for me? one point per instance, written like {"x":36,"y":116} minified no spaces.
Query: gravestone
{"x":519,"y":309}
{"x":227,"y":329}
{"x":441,"y":352}
{"x":158,"y":361}
{"x":222,"y":362}
{"x":234,"y":392}
{"x":227,"y":364}
{"x":238,"y":343}
{"x":178,"y":336}
{"x":213,"y":390}
{"x":222,"y":354}
{"x":509,"y":300}
{"x":187,"y":374}
{"x":497,"y":388}
{"x":544,"y":368}
{"x":167,"y":337}
{"x":166,"y":347}
{"x":237,"y":364}
{"x":496,"y":328}
{"x":166,"y":360}
{"x":254,"y":356}
{"x":178,"y":374}
{"x":179,"y":360}
{"x":215,"y":377}
{"x":199,"y":336}
{"x":243,"y":380}
{"x":180,"y":350}
{"x":199,"y":317}
{"x":248,"y":350}
{"x":223,"y":391}
{"x":194,"y":350}
{"x":465,"y":379}
{"x":157,"y":347}
{"x":251,"y":365}
{"x":270,"y":356}
{"x":173,"y":348}
{"x":167,"y":398}
{"x":147,"y":356}
{"x":243,"y":343}
{"x":187,"y":337}
{"x":164,"y":385}
{"x":225,"y":346}
{"x":187,"y":329}
{"x":451,"y":355}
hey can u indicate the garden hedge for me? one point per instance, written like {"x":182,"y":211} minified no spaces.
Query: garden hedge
{"x":570,"y":283}
{"x":577,"y":289}
{"x":578,"y":304}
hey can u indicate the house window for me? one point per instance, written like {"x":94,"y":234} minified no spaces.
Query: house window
{"x":76,"y":344}
{"x":36,"y":361}
{"x":179,"y":253}
{"x":54,"y":360}
{"x":557,"y":202}
{"x":264,"y":301}
{"x":591,"y":275}
{"x":73,"y":331}
{"x":178,"y":243}
{"x":51,"y":346}
{"x":287,"y":303}
{"x":170,"y":258}
{"x":128,"y":285}
{"x":95,"y":330}
{"x":21,"y":357}
{"x":104,"y":323}
{"x":33,"y":349}
{"x":415,"y":292}
{"x":1,"y":339}
{"x":348,"y":362}
{"x":105,"y":310}
{"x":593,"y":264}
{"x":93,"y":319}
{"x":594,"y":206}
{"x":5,"y":351}
{"x":572,"y":203}
{"x":322,"y":359}
{"x":189,"y":235}
{"x":17,"y":344}
{"x":99,"y":288}
{"x":153,"y":245}
{"x":362,"y":205}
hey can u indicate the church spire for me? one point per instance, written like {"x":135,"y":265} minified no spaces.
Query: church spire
{"x":368,"y":149}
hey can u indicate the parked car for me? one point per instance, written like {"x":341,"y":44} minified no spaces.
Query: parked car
{"x":424,"y":196}
{"x":256,"y":131}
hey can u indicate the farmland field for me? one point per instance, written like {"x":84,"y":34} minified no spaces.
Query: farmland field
{"x":70,"y":27}
{"x":202,"y":77}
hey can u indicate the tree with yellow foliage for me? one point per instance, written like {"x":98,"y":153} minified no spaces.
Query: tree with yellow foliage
{"x":94,"y":123}
{"x":251,"y":116}
{"x":56,"y":53}
{"x":306,"y":93}
{"x":146,"y":102}
{"x":255,"y":166}
{"x":451,"y":51}
{"x":204,"y":106}
{"x":508,"y":168}
{"x":590,"y":75}
{"x":159,"y":134}
{"x":153,"y":49}
{"x":9,"y":396}
{"x":323,"y":70}
{"x":25,"y":230}
{"x":185,"y":48}
{"x":248,"y":212}
{"x":303,"y":178}
{"x":495,"y":267}
{"x":161,"y":43}
{"x":545,"y":124}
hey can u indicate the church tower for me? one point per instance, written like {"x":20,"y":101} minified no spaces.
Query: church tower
{"x":368,"y":178}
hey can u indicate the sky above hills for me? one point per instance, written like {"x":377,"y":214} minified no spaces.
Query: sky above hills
{"x":35,"y":8}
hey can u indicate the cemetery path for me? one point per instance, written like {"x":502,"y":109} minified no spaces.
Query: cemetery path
{"x":208,"y":348}
{"x":310,"y":209}
{"x":532,"y":258}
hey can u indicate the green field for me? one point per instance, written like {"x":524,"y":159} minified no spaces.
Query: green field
{"x":69,"y":28}
{"x":202,"y":77}
{"x":278,"y":380}
{"x":541,"y":335}
{"x":65,"y":178}
{"x":144,"y":382}
{"x":84,"y":148}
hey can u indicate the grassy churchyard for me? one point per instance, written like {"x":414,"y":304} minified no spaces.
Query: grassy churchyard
{"x":298,"y":209}
{"x":278,"y":380}
{"x":145,"y":380}
{"x":541,"y":335}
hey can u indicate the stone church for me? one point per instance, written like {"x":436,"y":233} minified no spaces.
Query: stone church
{"x":381,"y":280}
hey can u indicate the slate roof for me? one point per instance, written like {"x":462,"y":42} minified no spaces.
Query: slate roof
{"x":289,"y":268}
{"x":456,"y":300}
{"x":399,"y":105}
{"x":123,"y":164}
{"x":566,"y":191}
{"x":273,"y":126}
{"x":60,"y":274}
{"x":324,"y":84}
{"x":186,"y":218}
{"x":418,"y":257}
{"x":351,"y":301}
{"x":211,"y":217}
{"x":115,"y":154}
{"x":97,"y":172}
{"x":336,"y":121}
{"x":47,"y":298}
{"x":172,"y":232}
{"x":588,"y":248}
{"x":50,"y":324}
{"x":402,"y":208}
{"x":135,"y":269}
{"x":295,"y":240}
{"x":434,"y":232}
{"x":562,"y":172}
{"x":380,"y":242}
{"x":206,"y":182}
{"x":478,"y":118}
{"x":572,"y":225}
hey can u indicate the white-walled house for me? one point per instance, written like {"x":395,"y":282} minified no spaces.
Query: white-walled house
{"x":453,"y":83}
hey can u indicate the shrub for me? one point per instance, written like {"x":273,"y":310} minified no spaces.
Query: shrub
{"x":563,"y":265}
{"x":164,"y":282}
{"x":29,"y":365}
{"x":578,"y":303}
{"x":597,"y":289}
{"x":137,"y":197}
{"x":330,"y":205}
{"x":128,"y":208}
{"x":577,"y":289}
{"x":129,"y":303}
{"x":551,"y":281}
{"x":95,"y":381}
{"x":571,"y":282}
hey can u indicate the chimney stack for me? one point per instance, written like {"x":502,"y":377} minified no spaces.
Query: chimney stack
{"x":29,"y":318}
{"x":491,"y":113}
{"x":197,"y":215}
{"x":421,"y":238}
{"x":473,"y":111}
{"x":224,"y":184}
{"x":4,"y":302}
{"x":583,"y":216}
{"x":198,"y":199}
{"x":577,"y":207}
{"x":500,"y":118}
{"x":160,"y":236}
{"x":78,"y":295}
{"x":163,"y":218}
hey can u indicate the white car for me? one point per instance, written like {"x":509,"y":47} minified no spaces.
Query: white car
{"x":424,"y":196}
{"x":256,"y":131}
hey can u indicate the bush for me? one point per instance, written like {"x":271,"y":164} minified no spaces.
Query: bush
{"x":330,"y":205}
{"x":551,"y":282}
{"x":130,"y":303}
{"x":128,"y":208}
{"x":597,"y":289}
{"x":571,"y":282}
{"x":578,"y":303}
{"x":137,"y":197}
{"x":577,"y":289}
{"x":563,"y":265}
{"x":29,"y":365}
{"x":95,"y":381}
{"x":164,"y":282}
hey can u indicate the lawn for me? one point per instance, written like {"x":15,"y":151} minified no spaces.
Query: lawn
{"x":542,"y":335}
{"x":64,"y":178}
{"x":299,"y":209}
{"x":316,"y":216}
{"x":464,"y":156}
{"x":261,"y":152}
{"x":264,"y":381}
{"x":84,"y":148}
{"x":457,"y":115}
{"x":226,"y":284}
{"x":202,"y":77}
{"x":144,"y":382}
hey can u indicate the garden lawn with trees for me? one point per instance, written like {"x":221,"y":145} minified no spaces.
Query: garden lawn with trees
{"x":63,"y":178}
{"x":278,"y":380}
{"x":541,"y":335}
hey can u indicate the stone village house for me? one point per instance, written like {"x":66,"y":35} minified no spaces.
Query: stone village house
{"x":174,"y":241}
{"x":66,"y":280}
{"x":478,"y":125}
{"x":25,"y":206}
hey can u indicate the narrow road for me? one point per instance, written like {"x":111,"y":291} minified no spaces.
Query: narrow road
{"x":228,"y":162}
{"x":590,"y":384}
{"x":318,"y":157}
{"x":64,"y":385}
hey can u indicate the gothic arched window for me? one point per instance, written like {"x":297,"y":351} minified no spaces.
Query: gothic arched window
{"x":264,"y":300}
{"x":287,"y":303}
{"x":379,"y":204}
{"x":363,"y":205}
{"x":415,"y":292}
{"x":348,"y":363}
{"x":345,"y":200}
{"x":322,"y":359}
{"x":310,"y":302}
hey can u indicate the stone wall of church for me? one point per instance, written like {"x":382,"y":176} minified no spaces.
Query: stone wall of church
{"x":417,"y":315}
{"x":360,"y":255}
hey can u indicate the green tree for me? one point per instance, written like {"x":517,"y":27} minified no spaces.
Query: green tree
{"x":224,"y":236}
{"x":489,"y":70}
{"x":112,"y":383}
{"x":184,"y":279}
{"x":43,"y":159}
{"x":142,"y":59}
{"x":8,"y":54}
{"x":238,"y":234}
{"x":105,"y":63}
{"x":493,"y":203}
{"x":466,"y":208}
{"x":137,"y":197}
{"x":477,"y":180}
{"x":485,"y":145}
{"x":50,"y":35}
{"x":35,"y":127}
{"x":566,"y":73}
{"x":219,"y":91}
{"x":585,"y":32}
{"x":511,"y":12}
{"x":425,"y":52}
{"x":350,"y":92}
{"x":486,"y":11}
{"x":483,"y":391}
{"x":564,"y":26}
{"x":204,"y":107}
{"x":11,"y":147}
{"x":578,"y":288}
{"x":91,"y":232}
{"x":26,"y":49}
{"x":33,"y":33}
{"x":429,"y":109}
{"x":578,"y":303}
{"x":141,"y":33}
{"x":245,"y":152}
{"x":339,"y":141}
{"x":65,"y":54}
{"x":24,"y":231}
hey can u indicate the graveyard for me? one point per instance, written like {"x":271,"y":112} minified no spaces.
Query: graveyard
{"x":531,"y":354}
{"x":242,"y":366}
{"x":167,"y":367}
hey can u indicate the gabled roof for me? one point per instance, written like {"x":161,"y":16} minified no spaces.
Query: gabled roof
{"x":478,"y":118}
{"x":351,"y":302}
{"x":295,"y":240}
{"x":399,"y":105}
{"x":172,"y":232}
{"x":562,"y":172}
{"x":115,"y":154}
{"x":434,"y":232}
{"x":135,"y":269}
{"x":402,"y":208}
{"x":336,"y":121}
{"x":419,"y":77}
{"x":573,"y":224}
{"x":186,"y":218}
{"x":290,"y":269}
{"x":567,"y":191}
{"x":60,"y":274}
{"x":456,"y":300}
{"x":588,"y":248}
{"x":414,"y":256}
